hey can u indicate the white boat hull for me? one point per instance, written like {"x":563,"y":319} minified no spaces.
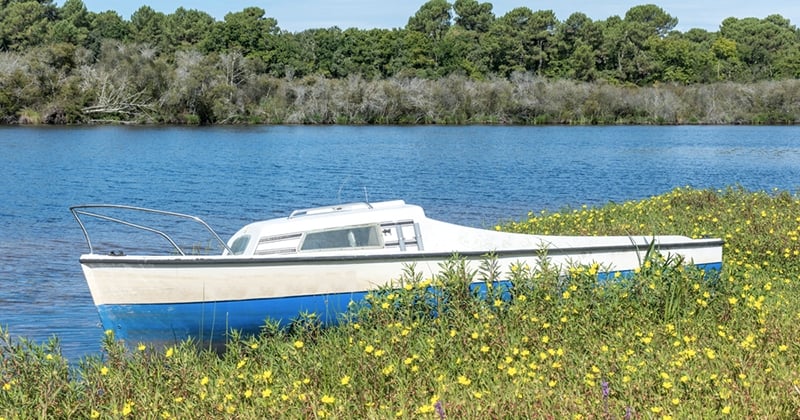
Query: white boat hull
{"x":167,"y":299}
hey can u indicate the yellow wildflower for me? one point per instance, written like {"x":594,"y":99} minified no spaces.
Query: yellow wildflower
{"x":127,"y":408}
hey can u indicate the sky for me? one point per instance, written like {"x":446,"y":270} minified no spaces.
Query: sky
{"x":298,"y":15}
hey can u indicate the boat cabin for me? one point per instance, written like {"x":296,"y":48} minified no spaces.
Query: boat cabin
{"x":389,"y":225}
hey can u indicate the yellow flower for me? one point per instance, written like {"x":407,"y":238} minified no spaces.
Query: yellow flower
{"x":266,"y":393}
{"x":104,"y":371}
{"x":425,"y":409}
{"x":204,"y":381}
{"x":732,"y":300}
{"x":298,"y":344}
{"x":94,"y":414}
{"x":327,"y":399}
{"x":170,"y":352}
{"x":388,"y":370}
{"x":345,"y":380}
{"x":127,"y":408}
{"x":141,"y":347}
{"x":726,"y":409}
{"x":463,"y":380}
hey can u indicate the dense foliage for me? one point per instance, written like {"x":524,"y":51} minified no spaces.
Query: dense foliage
{"x":667,"y":342}
{"x":68,"y":65}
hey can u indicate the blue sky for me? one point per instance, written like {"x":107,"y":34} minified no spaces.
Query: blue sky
{"x":297,"y":15}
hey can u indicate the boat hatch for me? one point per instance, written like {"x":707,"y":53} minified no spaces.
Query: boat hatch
{"x":330,"y":209}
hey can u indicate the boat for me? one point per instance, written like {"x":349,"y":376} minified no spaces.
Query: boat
{"x":314,"y":261}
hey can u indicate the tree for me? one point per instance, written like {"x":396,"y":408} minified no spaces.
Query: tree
{"x":147,"y":26}
{"x":626,"y":53}
{"x":186,"y":28}
{"x":681,"y":60}
{"x":575,"y":43}
{"x":727,"y":65}
{"x":761,"y":42}
{"x":521,"y":40}
{"x":106,"y":26}
{"x":473,"y":16}
{"x":317,"y":49}
{"x":432,"y":19}
{"x":25,"y":24}
{"x":73,"y":25}
{"x":649,"y":20}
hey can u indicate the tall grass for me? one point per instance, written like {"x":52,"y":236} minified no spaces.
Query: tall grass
{"x":668,"y":342}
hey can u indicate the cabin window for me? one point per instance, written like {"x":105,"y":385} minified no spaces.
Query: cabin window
{"x":240,"y":244}
{"x":350,"y":237}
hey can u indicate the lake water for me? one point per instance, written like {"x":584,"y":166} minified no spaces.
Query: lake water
{"x":229,"y":176}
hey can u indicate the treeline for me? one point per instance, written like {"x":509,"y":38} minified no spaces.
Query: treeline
{"x":452,"y":63}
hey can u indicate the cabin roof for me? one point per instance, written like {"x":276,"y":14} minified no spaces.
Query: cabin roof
{"x":350,"y":214}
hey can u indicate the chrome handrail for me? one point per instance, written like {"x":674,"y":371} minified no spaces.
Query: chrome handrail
{"x":79,"y":210}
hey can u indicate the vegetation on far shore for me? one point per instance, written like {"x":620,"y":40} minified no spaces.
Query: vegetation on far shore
{"x":668,"y":342}
{"x":453,"y":63}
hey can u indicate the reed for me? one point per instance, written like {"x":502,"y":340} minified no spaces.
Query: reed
{"x":668,"y":342}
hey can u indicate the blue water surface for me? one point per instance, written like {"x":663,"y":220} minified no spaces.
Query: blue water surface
{"x":473,"y":175}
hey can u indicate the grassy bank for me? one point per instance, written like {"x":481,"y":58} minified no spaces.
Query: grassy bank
{"x":670,"y":342}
